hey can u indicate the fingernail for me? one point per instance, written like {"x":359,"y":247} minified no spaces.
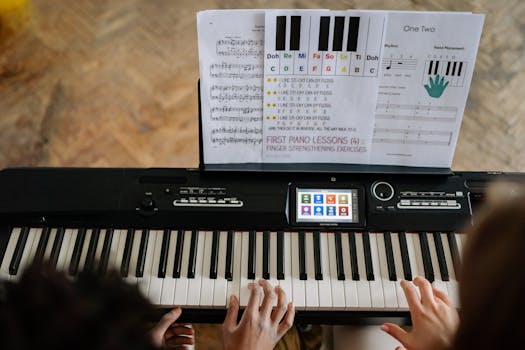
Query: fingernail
{"x":384,"y":328}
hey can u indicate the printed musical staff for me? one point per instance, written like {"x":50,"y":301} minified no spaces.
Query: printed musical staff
{"x":391,"y":64}
{"x":240,"y":48}
{"x":412,"y":136}
{"x":243,"y":71}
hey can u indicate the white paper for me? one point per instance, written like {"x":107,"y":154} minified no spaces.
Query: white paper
{"x":418,"y":118}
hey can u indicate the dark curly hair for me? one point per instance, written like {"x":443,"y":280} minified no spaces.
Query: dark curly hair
{"x":47,"y":310}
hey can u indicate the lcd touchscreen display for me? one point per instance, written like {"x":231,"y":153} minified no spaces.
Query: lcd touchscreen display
{"x":327,"y":205}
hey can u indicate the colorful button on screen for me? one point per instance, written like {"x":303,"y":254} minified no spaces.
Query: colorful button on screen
{"x":327,"y":205}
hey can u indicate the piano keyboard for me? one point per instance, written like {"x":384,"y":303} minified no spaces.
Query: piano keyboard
{"x":199,"y":269}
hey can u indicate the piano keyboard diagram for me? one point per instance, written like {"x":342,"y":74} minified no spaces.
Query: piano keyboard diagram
{"x":323,"y":45}
{"x":453,"y":71}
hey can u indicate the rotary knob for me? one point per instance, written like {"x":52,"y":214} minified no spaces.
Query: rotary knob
{"x":382,"y":191}
{"x":147,"y":203}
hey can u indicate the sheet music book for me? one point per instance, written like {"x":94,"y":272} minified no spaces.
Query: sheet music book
{"x":334,"y":87}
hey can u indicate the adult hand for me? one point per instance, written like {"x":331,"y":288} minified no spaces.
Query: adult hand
{"x":168,"y":335}
{"x":434,"y":318}
{"x":259,"y":328}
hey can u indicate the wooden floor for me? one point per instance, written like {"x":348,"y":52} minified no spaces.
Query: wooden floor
{"x":114,"y":84}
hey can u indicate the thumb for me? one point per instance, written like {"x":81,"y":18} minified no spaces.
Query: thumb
{"x":168,"y":318}
{"x":233,"y":311}
{"x":395,"y":331}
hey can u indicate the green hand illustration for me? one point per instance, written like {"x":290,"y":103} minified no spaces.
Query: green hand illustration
{"x":436,"y":87}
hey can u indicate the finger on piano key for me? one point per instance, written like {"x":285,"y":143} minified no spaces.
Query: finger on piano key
{"x":26,"y":250}
{"x":266,"y":255}
{"x":90,"y":262}
{"x":385,"y":274}
{"x":126,"y":254}
{"x":452,"y":284}
{"x":170,"y":283}
{"x":272,"y":256}
{"x":363,"y":285}
{"x":234,"y":286}
{"x":220,"y":284}
{"x":286,"y":282}
{"x":336,"y":285}
{"x":207,"y":283}
{"x":64,"y":249}
{"x":438,"y":282}
{"x":83,"y":253}
{"x":131,"y":278}
{"x":181,"y":292}
{"x":42,"y":244}
{"x":116,"y":251}
{"x":298,"y":284}
{"x":144,"y":279}
{"x":350,"y":285}
{"x":311,"y":285}
{"x":8,"y":254}
{"x":155,"y":283}
{"x":19,"y":250}
{"x":246,"y":257}
{"x":405,"y":259}
{"x":427,"y":260}
{"x":258,"y":255}
{"x":376,"y":285}
{"x":74,"y":262}
{"x":398,"y":261}
{"x":70,"y":248}
{"x":194,"y":284}
{"x":416,"y":259}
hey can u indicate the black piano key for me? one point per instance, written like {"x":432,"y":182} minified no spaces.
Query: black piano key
{"x":42,"y":243}
{"x":57,"y":244}
{"x":443,"y":269}
{"x":163,"y":259}
{"x":454,"y":251}
{"x":214,"y":262}
{"x":448,"y":68}
{"x":459,"y":68}
{"x":295,"y":32}
{"x":339,"y":27}
{"x":193,"y":253}
{"x":106,"y":250}
{"x":392,"y":275}
{"x":77,"y":251}
{"x":454,"y":68}
{"x":280,"y":33}
{"x":339,"y":257}
{"x":266,"y":255}
{"x":368,"y":257}
{"x":251,"y":255}
{"x":324,"y":28}
{"x":143,"y":248}
{"x":92,"y":248}
{"x":177,"y":263}
{"x":302,"y":257}
{"x":5,"y":232}
{"x":430,"y":68}
{"x":353,"y":256}
{"x":436,"y":68}
{"x":317,"y":256}
{"x":19,"y":249}
{"x":228,"y":273}
{"x":405,"y":259}
{"x":427,"y":261}
{"x":353,"y":34}
{"x":280,"y":255}
{"x":124,"y":267}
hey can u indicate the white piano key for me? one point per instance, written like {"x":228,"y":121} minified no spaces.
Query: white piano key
{"x":350,"y":286}
{"x":258,"y":257}
{"x":34,"y":247}
{"x":452,"y":284}
{"x":272,"y":256}
{"x":220,"y":284}
{"x":98,"y":250}
{"x":311,"y":285}
{"x":181,"y":292}
{"x":298,"y":285}
{"x":234,"y":286}
{"x":170,"y":283}
{"x":83,"y":253}
{"x":416,"y":258}
{"x":61,"y":261}
{"x":25,"y":254}
{"x":194,"y":284}
{"x":155,"y":284}
{"x":398,"y":261}
{"x":337,"y":286}
{"x":438,"y":281}
{"x":325,"y":288}
{"x":389,"y":287}
{"x":376,"y":286}
{"x":49,"y":246}
{"x":207,"y":284}
{"x":286,"y":283}
{"x":114,"y":251}
{"x":8,"y":255}
{"x":144,"y":281}
{"x":71,"y":246}
{"x":363,"y":285}
{"x":244,"y":292}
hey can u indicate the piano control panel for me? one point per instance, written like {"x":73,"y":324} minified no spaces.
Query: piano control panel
{"x":206,"y":197}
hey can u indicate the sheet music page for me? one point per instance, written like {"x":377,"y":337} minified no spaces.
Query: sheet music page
{"x":321,"y":76}
{"x":231,"y":45}
{"x":427,"y":66}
